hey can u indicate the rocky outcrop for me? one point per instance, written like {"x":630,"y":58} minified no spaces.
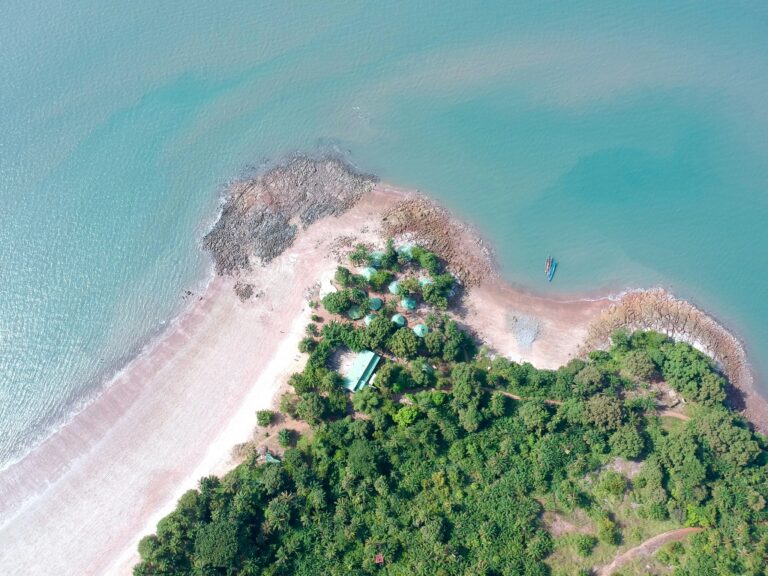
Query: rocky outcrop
{"x":660,"y":311}
{"x":432,"y":226}
{"x":261,"y":216}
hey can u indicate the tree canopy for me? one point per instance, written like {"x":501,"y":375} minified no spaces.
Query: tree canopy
{"x":437,"y":468}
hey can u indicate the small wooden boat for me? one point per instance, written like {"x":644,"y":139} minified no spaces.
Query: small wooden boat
{"x":552,"y":270}
{"x":548,"y":266}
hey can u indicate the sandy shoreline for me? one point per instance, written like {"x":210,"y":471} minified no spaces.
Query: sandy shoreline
{"x":172,"y":416}
{"x":104,"y":480}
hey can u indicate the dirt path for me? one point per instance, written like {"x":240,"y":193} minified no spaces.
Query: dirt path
{"x":674,"y":414}
{"x":647,"y":548}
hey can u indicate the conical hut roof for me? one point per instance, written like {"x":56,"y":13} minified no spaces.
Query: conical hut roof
{"x":408,"y":303}
{"x":420,"y":330}
{"x":367,"y":272}
{"x":393,"y":287}
{"x":375,"y":303}
{"x":399,"y":319}
{"x":355,"y":313}
{"x":376,"y":258}
{"x":406,"y":250}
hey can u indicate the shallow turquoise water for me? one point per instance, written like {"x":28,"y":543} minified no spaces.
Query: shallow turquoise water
{"x":629,"y":141}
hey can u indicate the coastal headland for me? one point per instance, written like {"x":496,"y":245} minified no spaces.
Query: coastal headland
{"x":175,"y":413}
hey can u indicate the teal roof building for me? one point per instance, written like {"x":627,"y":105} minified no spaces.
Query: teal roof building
{"x":376,"y":258}
{"x":420,"y":330}
{"x":271,"y":459}
{"x":406,"y":251}
{"x":375,"y":303}
{"x":423,"y":281}
{"x":399,"y":319}
{"x":393,"y":287}
{"x":367,"y":272}
{"x":408,"y":304}
{"x":361,"y":371}
{"x":355,"y":313}
{"x":368,"y":319}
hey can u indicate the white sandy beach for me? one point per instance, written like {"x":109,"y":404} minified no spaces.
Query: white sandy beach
{"x":80,"y":502}
{"x":93,"y":489}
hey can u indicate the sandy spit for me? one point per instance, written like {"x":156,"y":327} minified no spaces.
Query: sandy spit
{"x":80,"y":502}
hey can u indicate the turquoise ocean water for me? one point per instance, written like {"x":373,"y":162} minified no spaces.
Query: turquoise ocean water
{"x":627,"y":139}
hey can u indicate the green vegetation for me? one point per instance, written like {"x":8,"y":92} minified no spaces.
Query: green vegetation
{"x":435,"y":468}
{"x":435,"y":290}
{"x":285,"y":437}
{"x":265,"y":417}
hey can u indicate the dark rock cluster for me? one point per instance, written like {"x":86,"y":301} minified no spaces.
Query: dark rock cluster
{"x":262,"y":215}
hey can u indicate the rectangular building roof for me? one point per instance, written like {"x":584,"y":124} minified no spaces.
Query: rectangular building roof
{"x":361,"y":371}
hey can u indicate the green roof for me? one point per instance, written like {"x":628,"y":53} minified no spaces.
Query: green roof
{"x":361,"y":371}
{"x":367,"y":272}
{"x":355,"y":313}
{"x":420,"y":330}
{"x":368,"y":319}
{"x":406,"y":250}
{"x":399,"y":319}
{"x":377,"y":257}
{"x":408,"y":303}
{"x":393,"y":286}
{"x":375,"y":303}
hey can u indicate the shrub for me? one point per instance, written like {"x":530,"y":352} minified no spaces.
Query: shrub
{"x":380,"y":279}
{"x":344,"y":277}
{"x":404,"y":343}
{"x":589,"y":380}
{"x":612,"y":484}
{"x":307,"y":345}
{"x":390,"y":257}
{"x":408,"y":286}
{"x":627,"y":442}
{"x":337,"y":302}
{"x":584,"y":544}
{"x":603,"y":412}
{"x":608,"y":532}
{"x":433,"y":296}
{"x":638,"y":365}
{"x":285,"y":437}
{"x":427,"y":260}
{"x":288,"y":404}
{"x":265,"y":417}
{"x":360,"y":255}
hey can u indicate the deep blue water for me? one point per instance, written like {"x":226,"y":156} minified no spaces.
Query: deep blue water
{"x":627,"y":139}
